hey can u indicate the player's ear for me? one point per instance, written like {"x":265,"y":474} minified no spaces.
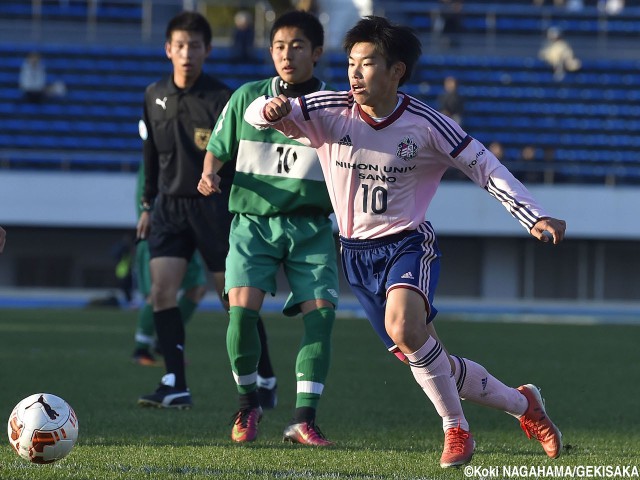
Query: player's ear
{"x":398,"y":70}
{"x":167,"y":49}
{"x":316,"y":54}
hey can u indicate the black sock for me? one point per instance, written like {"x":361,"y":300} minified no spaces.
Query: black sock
{"x":304,"y":415}
{"x":249,"y":400}
{"x":170,"y":331}
{"x":265,"y":370}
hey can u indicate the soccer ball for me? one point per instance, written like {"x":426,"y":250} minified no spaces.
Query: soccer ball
{"x":42,"y":428}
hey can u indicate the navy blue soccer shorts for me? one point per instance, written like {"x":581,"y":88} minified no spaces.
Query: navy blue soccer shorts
{"x":409,"y":259}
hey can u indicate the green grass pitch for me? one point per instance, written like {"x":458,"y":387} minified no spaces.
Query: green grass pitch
{"x":383,"y":424}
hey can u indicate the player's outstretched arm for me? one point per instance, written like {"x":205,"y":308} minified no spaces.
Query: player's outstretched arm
{"x":553,"y":226}
{"x":210,"y":180}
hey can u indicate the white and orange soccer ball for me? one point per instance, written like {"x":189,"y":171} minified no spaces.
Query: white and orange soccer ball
{"x":42,"y":428}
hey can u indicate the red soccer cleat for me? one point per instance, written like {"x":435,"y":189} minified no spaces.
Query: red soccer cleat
{"x":245,"y":425}
{"x":306,"y":434}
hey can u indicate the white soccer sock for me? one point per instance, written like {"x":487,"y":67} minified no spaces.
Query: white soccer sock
{"x":431,"y":369}
{"x":266,"y":382}
{"x":477,"y":385}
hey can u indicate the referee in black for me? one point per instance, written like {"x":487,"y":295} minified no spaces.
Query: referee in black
{"x":180,"y":112}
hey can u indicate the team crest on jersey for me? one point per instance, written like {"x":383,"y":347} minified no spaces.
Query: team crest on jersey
{"x":201,"y":137}
{"x":407,"y":149}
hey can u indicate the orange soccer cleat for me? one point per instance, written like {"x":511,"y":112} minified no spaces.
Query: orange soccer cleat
{"x":458,"y":448}
{"x":536,"y":423}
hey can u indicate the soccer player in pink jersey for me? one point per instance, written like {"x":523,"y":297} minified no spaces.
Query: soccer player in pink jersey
{"x":383,"y":154}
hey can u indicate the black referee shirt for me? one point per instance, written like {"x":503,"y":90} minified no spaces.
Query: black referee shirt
{"x":178,"y":124}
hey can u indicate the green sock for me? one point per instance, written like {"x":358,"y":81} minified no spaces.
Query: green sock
{"x":314,"y":356}
{"x":187,"y":308}
{"x":145,"y":328}
{"x":243,"y":347}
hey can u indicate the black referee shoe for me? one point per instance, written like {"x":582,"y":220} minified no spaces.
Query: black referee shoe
{"x":167,"y":396}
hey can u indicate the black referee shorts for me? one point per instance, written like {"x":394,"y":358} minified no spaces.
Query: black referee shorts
{"x":180,"y":225}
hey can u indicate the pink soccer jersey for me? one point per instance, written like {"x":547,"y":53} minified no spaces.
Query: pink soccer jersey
{"x":381,"y":176}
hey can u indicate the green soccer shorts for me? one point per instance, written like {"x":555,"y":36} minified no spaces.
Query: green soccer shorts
{"x":303,"y":245}
{"x":195,"y":276}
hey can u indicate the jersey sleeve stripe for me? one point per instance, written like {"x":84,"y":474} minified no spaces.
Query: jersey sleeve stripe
{"x":458,"y":150}
{"x":453,"y":128}
{"x":323,"y":101}
{"x":305,"y":109}
{"x":517,"y":209}
{"x":439,"y":122}
{"x":325,"y":106}
{"x":320,"y":97}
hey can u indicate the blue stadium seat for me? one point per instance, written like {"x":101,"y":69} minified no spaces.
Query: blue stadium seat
{"x":590,"y":118}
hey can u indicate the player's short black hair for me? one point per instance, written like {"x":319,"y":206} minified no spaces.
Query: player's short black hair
{"x":396,"y":43}
{"x":305,"y":21}
{"x":192,"y":22}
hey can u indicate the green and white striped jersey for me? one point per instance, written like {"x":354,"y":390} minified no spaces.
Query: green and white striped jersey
{"x":274,"y":174}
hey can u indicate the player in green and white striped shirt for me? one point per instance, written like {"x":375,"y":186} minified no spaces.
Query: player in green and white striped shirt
{"x":281,"y":208}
